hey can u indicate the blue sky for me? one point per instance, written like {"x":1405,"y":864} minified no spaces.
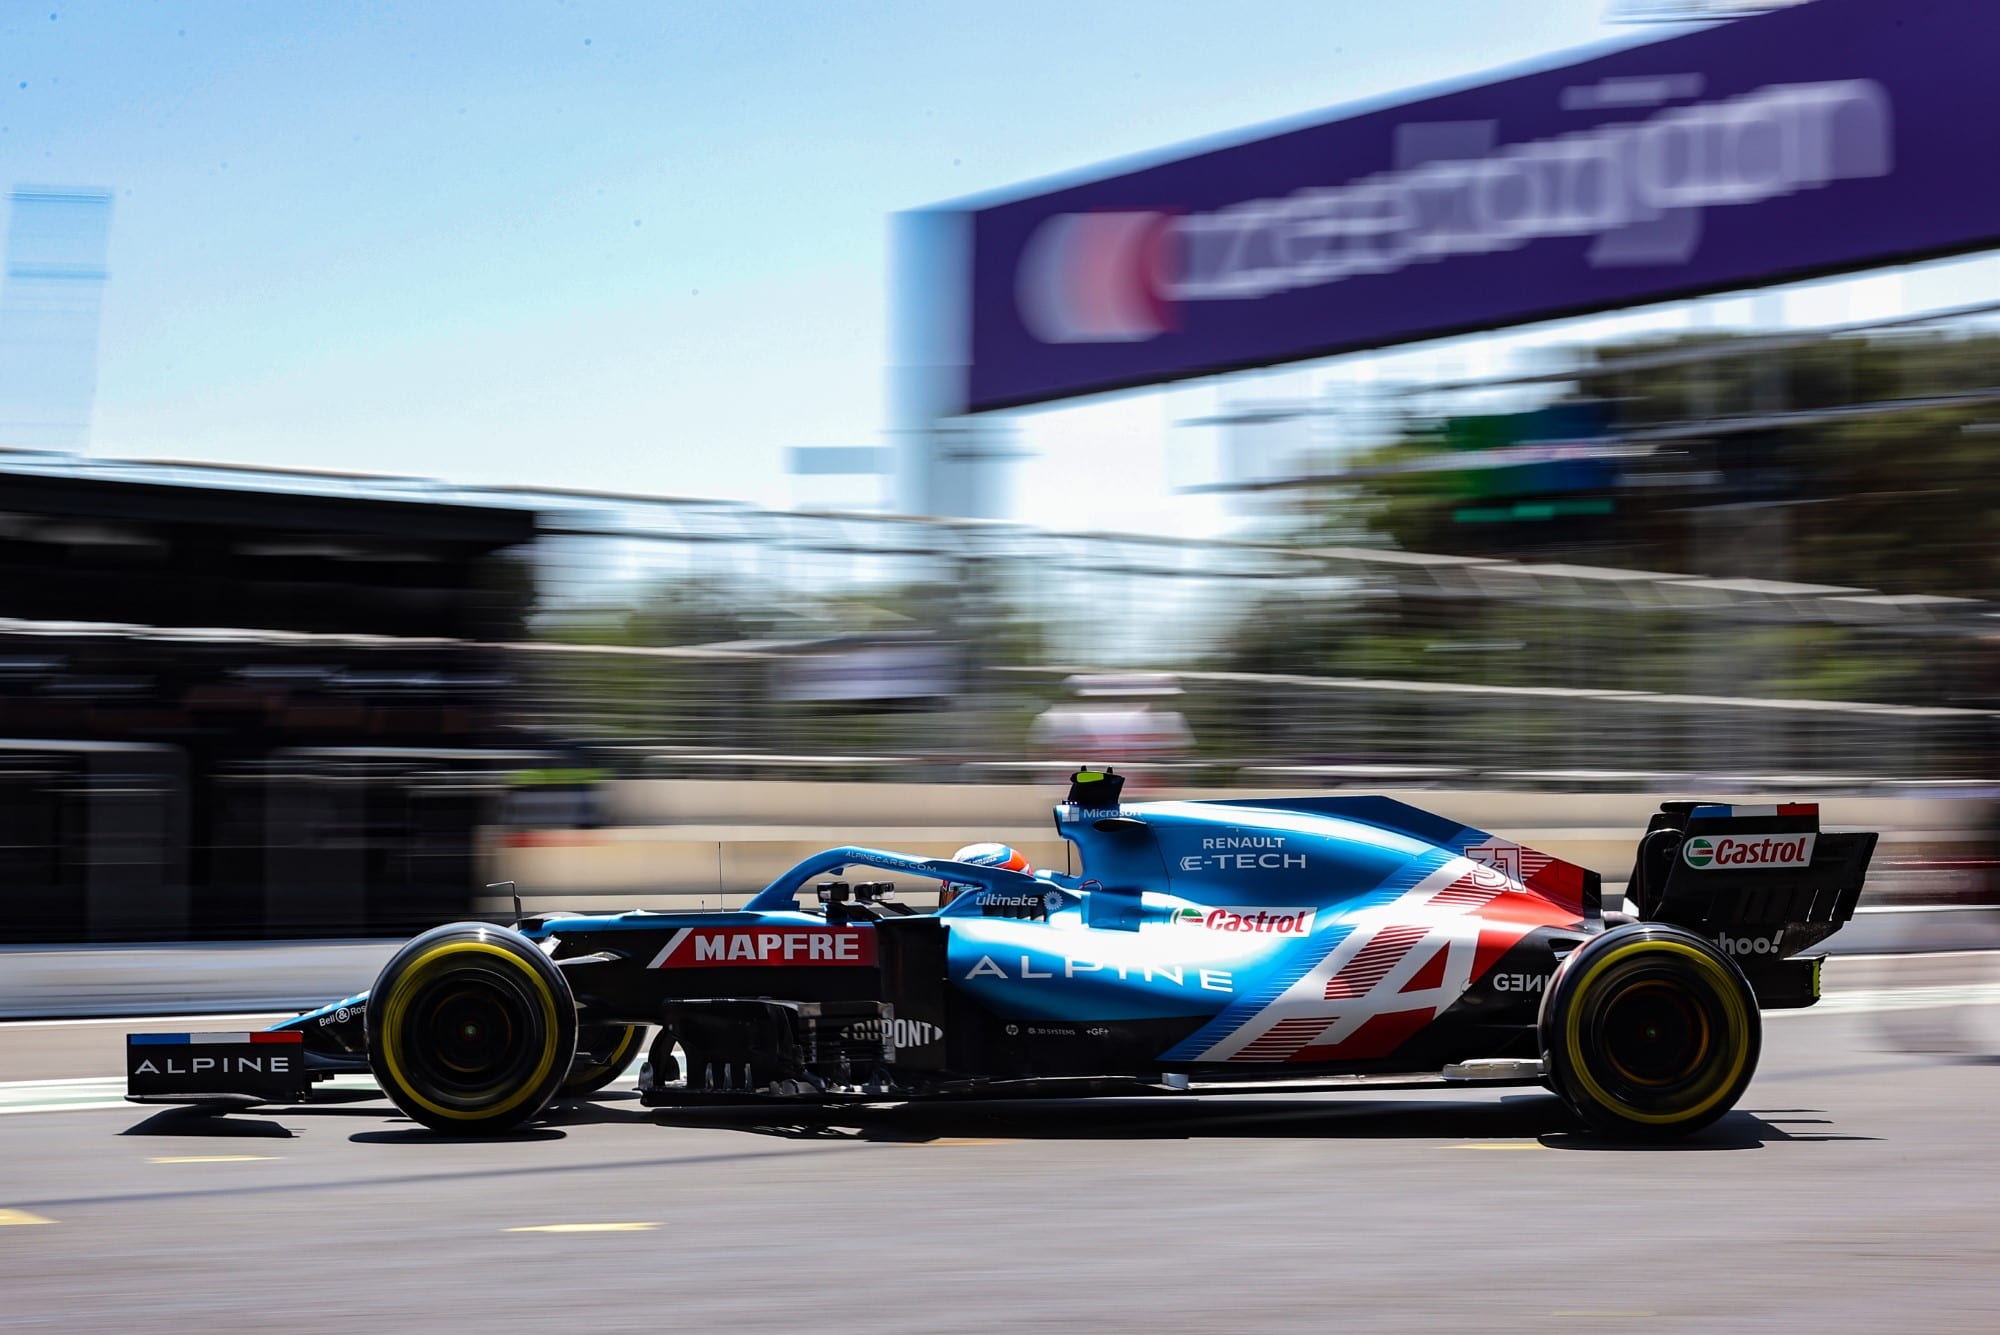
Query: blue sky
{"x":632,"y":246}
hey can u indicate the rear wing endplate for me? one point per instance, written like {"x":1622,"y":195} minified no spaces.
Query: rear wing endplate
{"x":1717,"y":869}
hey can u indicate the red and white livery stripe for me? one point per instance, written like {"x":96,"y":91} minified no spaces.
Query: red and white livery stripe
{"x":1409,"y":960}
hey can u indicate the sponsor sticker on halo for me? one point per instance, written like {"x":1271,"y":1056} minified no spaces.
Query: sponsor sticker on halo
{"x":1708,"y":852}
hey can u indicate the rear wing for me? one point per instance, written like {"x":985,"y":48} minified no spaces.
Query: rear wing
{"x":1765,"y":882}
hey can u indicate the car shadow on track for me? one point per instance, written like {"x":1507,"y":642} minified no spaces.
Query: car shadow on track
{"x":409,"y":1133}
{"x":1140,"y":1119}
{"x":392,"y":1128}
{"x":1742,"y":1129}
{"x":1515,"y":1121}
{"x":182,"y":1121}
{"x":599,"y":1110}
{"x":1526,"y":1118}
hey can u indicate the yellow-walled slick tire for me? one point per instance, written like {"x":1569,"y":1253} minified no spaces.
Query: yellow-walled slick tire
{"x":603,"y":1053}
{"x":1649,"y":1032}
{"x":471,"y":1030}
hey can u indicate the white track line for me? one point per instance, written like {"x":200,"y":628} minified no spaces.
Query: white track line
{"x":63,"y":1107}
{"x":104,"y":1091}
{"x":1967,"y":952}
{"x":188,"y":1022}
{"x":1899,"y":999}
{"x":108,"y":1081}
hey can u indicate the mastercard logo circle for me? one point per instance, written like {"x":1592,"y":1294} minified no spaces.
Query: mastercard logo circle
{"x":1098,"y":277}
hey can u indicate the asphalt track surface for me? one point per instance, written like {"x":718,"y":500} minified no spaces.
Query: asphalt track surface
{"x":1856,"y":1188}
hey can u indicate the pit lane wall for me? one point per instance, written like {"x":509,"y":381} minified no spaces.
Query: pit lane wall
{"x":684,"y":843}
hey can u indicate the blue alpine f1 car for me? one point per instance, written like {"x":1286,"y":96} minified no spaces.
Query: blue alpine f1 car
{"x":1214,"y":946}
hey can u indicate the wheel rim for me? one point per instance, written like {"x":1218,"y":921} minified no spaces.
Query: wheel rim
{"x":1654,"y":1034}
{"x":467,"y":1036}
{"x":1655,"y":1040}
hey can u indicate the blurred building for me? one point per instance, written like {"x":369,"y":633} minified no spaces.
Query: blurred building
{"x":227,"y":710}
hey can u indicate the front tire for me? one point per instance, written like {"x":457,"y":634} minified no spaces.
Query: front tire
{"x":1649,"y":1032}
{"x":471,"y":1030}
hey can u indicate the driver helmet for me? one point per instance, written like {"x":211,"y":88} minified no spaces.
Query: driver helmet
{"x":982,"y":855}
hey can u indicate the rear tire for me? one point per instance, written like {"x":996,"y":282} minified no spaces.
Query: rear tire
{"x":1649,"y":1032}
{"x":618,"y":1044}
{"x":471,"y":1030}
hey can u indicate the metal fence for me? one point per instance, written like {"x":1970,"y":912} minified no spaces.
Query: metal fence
{"x":847,"y":646}
{"x":677,"y":636}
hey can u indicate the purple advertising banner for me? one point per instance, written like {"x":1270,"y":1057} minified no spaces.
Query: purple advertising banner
{"x":1836,"y":135}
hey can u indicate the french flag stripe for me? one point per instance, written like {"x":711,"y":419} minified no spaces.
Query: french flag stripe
{"x":1782,"y":809}
{"x":188,"y":1040}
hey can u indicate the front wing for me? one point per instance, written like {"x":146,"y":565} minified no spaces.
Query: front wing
{"x":238,"y":1069}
